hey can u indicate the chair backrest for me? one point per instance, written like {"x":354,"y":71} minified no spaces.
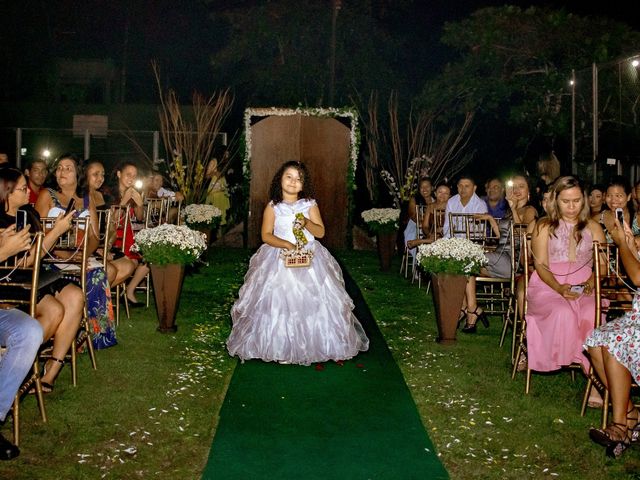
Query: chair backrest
{"x":69,"y":254}
{"x":528,"y":268}
{"x":610,"y":281}
{"x":121,"y":222}
{"x":421,"y":211}
{"x":19,"y":282}
{"x":156,"y":210}
{"x":438,"y":223}
{"x":474,"y":229}
{"x":519,"y":232}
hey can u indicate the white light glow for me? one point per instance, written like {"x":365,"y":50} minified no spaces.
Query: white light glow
{"x":46,"y":153}
{"x":138,"y":184}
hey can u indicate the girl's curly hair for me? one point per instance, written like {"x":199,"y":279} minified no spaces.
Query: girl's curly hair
{"x":275,"y":192}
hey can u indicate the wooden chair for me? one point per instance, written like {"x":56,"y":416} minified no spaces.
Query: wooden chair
{"x":497,"y":295}
{"x":522,"y":339}
{"x":518,"y":236}
{"x":70,"y":256}
{"x":478,"y":231}
{"x":421,"y":211}
{"x":19,"y":286}
{"x":156,"y":212}
{"x":614,"y":295}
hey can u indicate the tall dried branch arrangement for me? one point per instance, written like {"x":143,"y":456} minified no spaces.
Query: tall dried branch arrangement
{"x":191,"y":144}
{"x":372,"y":135}
{"x":422,"y":150}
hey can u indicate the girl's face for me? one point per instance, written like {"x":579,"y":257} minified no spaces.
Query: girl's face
{"x":19,"y":195}
{"x":616,"y":197}
{"x":291,"y":182}
{"x":95,"y":176}
{"x":520,"y":189}
{"x":66,"y":174}
{"x":596,"y":199}
{"x":545,"y":200}
{"x":570,"y":203}
{"x":127,"y":176}
{"x":443,"y":194}
{"x":425,"y":189}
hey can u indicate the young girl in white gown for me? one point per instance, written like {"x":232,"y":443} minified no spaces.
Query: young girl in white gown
{"x":296,"y":315}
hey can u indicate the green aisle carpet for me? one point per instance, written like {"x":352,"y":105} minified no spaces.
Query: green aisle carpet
{"x":355,"y":421}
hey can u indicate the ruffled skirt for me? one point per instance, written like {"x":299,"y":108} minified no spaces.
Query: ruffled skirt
{"x":294,"y":315}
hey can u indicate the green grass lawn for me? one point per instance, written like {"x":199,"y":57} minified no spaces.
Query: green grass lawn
{"x":482,"y":423}
{"x":150,"y":410}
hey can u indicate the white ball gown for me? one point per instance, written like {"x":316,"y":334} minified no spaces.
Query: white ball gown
{"x":294,"y":315}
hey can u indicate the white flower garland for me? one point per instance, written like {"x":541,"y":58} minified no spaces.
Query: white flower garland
{"x":315,"y":112}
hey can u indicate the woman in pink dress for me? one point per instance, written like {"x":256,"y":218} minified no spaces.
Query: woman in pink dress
{"x":561,"y":304}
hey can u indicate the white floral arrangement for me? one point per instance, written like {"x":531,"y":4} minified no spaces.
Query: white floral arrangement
{"x":198,"y":215}
{"x":169,"y":243}
{"x":451,"y":255}
{"x":381,"y":220}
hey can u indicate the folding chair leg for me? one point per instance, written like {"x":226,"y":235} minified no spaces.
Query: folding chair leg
{"x":587,"y":393}
{"x":527,"y":387}
{"x":16,"y":421}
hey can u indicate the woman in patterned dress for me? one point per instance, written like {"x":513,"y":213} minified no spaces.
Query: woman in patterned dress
{"x":615,"y":355}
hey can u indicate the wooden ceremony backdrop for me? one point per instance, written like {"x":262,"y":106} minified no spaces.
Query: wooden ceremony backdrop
{"x":323,"y":145}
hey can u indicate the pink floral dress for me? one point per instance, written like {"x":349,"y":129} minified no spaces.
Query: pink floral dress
{"x":622,"y":338}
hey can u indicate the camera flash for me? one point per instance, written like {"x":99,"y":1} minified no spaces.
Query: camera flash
{"x":138,"y":184}
{"x":509,"y":183}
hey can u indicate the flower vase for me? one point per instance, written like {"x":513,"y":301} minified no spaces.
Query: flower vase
{"x":167,"y":285}
{"x":386,"y":248}
{"x":448,"y":295}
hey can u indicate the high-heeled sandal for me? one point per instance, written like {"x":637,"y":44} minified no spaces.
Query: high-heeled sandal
{"x":616,"y":438}
{"x":463,"y":315}
{"x":473,"y":327}
{"x":634,"y":432}
{"x":46,"y":386}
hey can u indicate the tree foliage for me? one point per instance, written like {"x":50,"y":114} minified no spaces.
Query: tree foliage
{"x":278,"y":53}
{"x":513,"y":65}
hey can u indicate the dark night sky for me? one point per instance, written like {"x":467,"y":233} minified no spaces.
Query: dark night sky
{"x":180,"y":34}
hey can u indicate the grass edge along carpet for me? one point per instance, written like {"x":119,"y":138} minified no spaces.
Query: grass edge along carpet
{"x":355,"y":420}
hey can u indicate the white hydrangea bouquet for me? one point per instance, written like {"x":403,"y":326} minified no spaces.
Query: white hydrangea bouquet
{"x":451,"y":255}
{"x":169,"y":243}
{"x":382,"y":220}
{"x":198,"y":215}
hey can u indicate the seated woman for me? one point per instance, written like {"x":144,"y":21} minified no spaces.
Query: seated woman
{"x":618,"y":195}
{"x":520,"y":212}
{"x":559,"y":319}
{"x":596,"y":199}
{"x":217,"y":191}
{"x":614,"y":349}
{"x":126,"y":194}
{"x":118,"y":268}
{"x":423,"y":197}
{"x":68,"y":178}
{"x":443,"y":193}
{"x":59,"y":313}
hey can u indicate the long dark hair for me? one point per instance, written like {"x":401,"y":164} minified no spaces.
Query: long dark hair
{"x":619,"y":181}
{"x":418,"y":196}
{"x":8,"y":179}
{"x":115,"y":187}
{"x":79,"y":172}
{"x":275,"y":192}
{"x":553,"y":211}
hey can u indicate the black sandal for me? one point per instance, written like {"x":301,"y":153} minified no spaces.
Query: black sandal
{"x":473,"y":327}
{"x":46,"y":386}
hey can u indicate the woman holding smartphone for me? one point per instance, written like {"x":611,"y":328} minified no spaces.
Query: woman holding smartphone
{"x":618,"y":197}
{"x":60,"y":311}
{"x":52,"y":201}
{"x":560,"y":315}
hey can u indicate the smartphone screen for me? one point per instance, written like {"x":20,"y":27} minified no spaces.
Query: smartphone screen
{"x":577,"y":288}
{"x":620,"y":215}
{"x":21,"y":220}
{"x":69,"y":207}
